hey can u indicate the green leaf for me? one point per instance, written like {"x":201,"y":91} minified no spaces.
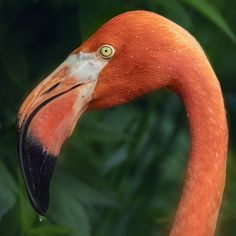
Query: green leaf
{"x":211,"y":12}
{"x":84,"y":193}
{"x":66,"y":210}
{"x":119,"y":156}
{"x":50,"y":230}
{"x":8,"y":191}
{"x":26,"y":212}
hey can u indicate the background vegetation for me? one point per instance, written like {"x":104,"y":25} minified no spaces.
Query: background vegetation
{"x":122,"y":171}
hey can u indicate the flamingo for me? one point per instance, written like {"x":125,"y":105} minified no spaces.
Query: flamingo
{"x":132,"y":54}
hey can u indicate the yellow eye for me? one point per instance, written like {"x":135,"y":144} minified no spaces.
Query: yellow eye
{"x":106,"y":51}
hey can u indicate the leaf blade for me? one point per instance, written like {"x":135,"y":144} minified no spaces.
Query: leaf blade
{"x":211,"y":12}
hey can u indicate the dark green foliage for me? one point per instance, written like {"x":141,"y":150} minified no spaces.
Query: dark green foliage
{"x":122,"y":171}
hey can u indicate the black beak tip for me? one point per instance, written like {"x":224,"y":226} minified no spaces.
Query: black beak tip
{"x":37,"y":168}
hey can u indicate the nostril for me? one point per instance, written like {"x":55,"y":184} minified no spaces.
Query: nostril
{"x":51,"y":88}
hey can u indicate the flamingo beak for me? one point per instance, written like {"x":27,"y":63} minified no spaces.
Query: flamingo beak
{"x":47,"y":118}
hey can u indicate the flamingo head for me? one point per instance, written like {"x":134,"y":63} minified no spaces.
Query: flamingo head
{"x":127,"y":57}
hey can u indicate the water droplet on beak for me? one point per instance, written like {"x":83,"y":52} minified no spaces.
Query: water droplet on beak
{"x":42,"y":218}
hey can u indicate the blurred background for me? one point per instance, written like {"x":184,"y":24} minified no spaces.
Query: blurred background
{"x":121,"y":172}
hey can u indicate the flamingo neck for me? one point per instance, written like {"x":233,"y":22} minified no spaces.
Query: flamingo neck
{"x":205,"y":178}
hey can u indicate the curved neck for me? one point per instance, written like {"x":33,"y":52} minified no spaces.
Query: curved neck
{"x":205,"y":178}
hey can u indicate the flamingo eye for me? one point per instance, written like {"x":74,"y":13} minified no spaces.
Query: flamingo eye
{"x":106,"y":51}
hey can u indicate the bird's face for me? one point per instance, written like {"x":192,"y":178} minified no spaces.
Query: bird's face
{"x":112,"y":67}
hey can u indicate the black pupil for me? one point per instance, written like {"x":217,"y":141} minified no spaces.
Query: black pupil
{"x":106,"y":51}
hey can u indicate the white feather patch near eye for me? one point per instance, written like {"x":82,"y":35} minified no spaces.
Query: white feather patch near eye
{"x":85,"y":66}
